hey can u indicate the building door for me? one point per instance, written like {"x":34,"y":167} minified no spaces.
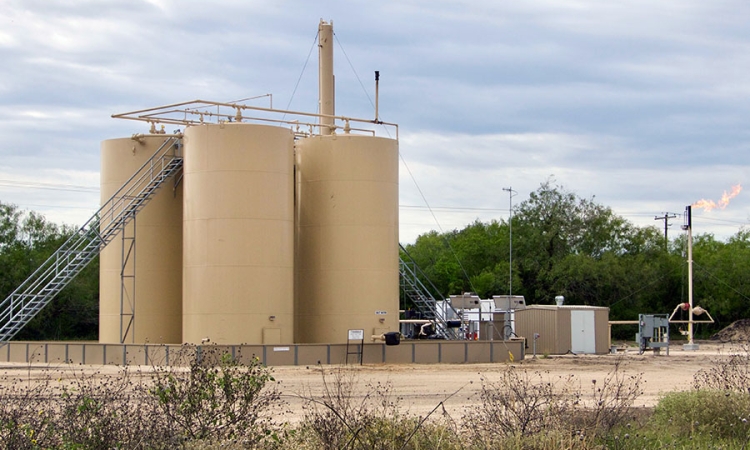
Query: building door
{"x":582,"y":331}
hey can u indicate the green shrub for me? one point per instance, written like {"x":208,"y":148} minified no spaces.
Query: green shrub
{"x":168,"y":407}
{"x":720,"y":414}
{"x":224,"y":402}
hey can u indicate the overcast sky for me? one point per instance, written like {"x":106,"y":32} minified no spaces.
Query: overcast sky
{"x":641,"y":104}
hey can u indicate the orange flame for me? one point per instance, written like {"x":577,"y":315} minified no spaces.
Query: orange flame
{"x":708,"y":205}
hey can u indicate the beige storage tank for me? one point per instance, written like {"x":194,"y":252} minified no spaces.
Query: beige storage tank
{"x":157,"y":256}
{"x":238,"y":278}
{"x":347,"y":237}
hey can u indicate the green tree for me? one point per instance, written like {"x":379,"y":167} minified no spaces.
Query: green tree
{"x":474,"y":259}
{"x":720,"y":276}
{"x":572,"y":246}
{"x":27,"y":239}
{"x":554,"y":225}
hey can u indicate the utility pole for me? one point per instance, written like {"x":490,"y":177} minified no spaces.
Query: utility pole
{"x":666,"y":218}
{"x":691,"y":345}
{"x":511,"y":193}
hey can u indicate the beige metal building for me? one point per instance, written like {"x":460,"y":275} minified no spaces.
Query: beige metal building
{"x":149,"y":248}
{"x":564,"y":329}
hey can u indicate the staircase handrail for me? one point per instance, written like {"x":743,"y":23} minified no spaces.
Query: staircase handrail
{"x":419,"y":271}
{"x":427,"y":297}
{"x":89,"y":239}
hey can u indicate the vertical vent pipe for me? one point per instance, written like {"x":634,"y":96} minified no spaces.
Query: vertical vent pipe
{"x":377,"y":95}
{"x":326,"y":81}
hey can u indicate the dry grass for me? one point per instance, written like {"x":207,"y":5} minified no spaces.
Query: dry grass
{"x":162,"y":408}
{"x":218,"y":402}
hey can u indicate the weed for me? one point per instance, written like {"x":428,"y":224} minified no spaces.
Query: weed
{"x":163,"y":408}
{"x":609,"y":402}
{"x":731,"y":374}
{"x":219,"y":401}
{"x":223,"y":402}
{"x":519,"y":404}
{"x":343,"y":416}
{"x":523,"y":406}
{"x":721,"y":414}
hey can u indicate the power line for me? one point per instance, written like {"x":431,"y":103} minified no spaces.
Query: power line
{"x":59,"y":206}
{"x":713,"y":219}
{"x":453,"y":208}
{"x":49,"y":186}
{"x":304,"y":66}
{"x":710,"y":274}
{"x":432,"y":212}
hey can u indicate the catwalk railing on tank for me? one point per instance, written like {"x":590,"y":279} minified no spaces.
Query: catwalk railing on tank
{"x":424,"y":299}
{"x":87,"y":242}
{"x":197,"y":112}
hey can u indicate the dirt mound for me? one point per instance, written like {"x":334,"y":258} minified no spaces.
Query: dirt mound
{"x":736,"y":332}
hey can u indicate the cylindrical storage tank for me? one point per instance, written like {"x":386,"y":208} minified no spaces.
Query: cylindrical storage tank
{"x":238,"y":259}
{"x":347,"y":237}
{"x":142,"y":266}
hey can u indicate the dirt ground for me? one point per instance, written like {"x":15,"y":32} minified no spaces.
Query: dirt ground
{"x":421,"y":388}
{"x":735,"y":332}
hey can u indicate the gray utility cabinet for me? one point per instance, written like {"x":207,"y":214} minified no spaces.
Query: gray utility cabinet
{"x":653,"y":332}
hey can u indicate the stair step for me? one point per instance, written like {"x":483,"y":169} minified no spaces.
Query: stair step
{"x":73,"y":256}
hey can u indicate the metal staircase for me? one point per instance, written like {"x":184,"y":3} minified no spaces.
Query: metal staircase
{"x":423,"y":298}
{"x":83,"y":246}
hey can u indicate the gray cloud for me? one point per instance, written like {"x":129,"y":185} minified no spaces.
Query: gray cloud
{"x":640,"y":104}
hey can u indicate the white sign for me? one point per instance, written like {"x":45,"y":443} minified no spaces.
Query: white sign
{"x":381,"y":313}
{"x":356,"y":335}
{"x":281,"y":349}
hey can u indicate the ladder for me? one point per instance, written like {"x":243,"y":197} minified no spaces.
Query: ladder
{"x":423,"y":298}
{"x":84,"y":245}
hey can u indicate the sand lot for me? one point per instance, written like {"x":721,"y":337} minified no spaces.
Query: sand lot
{"x":421,"y":388}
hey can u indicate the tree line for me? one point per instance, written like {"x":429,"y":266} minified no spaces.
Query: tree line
{"x":567,"y":245}
{"x":27,"y":239}
{"x":562,"y":245}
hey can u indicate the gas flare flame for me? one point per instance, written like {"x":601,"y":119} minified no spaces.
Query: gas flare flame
{"x":708,"y":205}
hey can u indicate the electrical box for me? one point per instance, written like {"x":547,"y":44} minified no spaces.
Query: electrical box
{"x":653,"y":332}
{"x":509,"y":302}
